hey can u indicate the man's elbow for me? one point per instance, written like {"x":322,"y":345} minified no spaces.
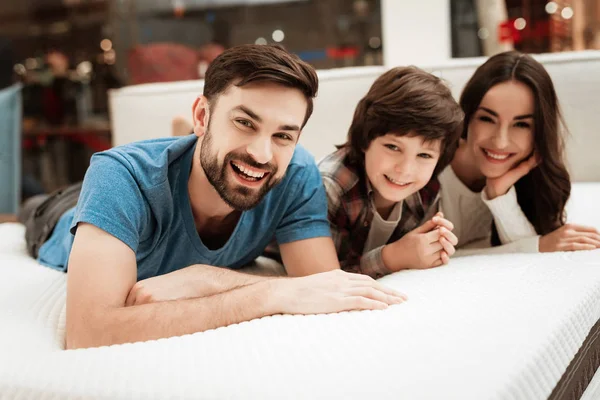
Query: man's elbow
{"x":75,"y":339}
{"x":80,"y":337}
{"x":74,"y":342}
{"x":87,"y":332}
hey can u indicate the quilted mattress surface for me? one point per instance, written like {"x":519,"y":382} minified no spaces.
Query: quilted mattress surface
{"x":483,"y":327}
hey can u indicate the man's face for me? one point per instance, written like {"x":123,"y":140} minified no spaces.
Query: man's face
{"x":248,"y":140}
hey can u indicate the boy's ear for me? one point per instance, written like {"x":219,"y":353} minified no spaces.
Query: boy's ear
{"x":200,"y":115}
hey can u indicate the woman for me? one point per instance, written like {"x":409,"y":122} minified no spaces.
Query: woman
{"x":508,"y":182}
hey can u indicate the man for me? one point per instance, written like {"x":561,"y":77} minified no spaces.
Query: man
{"x":157,"y":220}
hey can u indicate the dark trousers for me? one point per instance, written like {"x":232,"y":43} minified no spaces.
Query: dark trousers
{"x":41,"y":213}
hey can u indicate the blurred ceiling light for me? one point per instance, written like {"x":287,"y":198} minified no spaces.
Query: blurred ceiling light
{"x":520,"y":24}
{"x":260,"y":40}
{"x":551,"y":7}
{"x":483,"y":33}
{"x":106,"y":44}
{"x":567,"y":13}
{"x":31,"y":63}
{"x":20,"y":69}
{"x":278,"y":35}
{"x":110,"y":57}
{"x":84,"y":68}
{"x":375,"y":42}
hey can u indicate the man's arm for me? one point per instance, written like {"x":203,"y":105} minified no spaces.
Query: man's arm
{"x":309,"y":256}
{"x":191,"y":282}
{"x":102,"y":271}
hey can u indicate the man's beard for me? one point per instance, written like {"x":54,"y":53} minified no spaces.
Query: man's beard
{"x":238,"y":197}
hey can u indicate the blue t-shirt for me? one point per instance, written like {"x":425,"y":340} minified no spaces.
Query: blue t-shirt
{"x":139,"y":194}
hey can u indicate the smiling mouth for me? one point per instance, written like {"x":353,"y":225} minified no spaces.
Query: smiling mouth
{"x":397,"y":183}
{"x":248,"y":174}
{"x":496,"y":156}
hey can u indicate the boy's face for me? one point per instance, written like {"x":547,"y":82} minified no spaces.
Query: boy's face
{"x":250,"y":140}
{"x":398,"y":166}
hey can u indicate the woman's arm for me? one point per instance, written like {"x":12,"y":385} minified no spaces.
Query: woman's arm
{"x":510,"y":220}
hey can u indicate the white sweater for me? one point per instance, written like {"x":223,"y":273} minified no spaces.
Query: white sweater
{"x":472,"y":214}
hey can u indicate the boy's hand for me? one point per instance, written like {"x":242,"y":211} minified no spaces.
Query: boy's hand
{"x":427,"y":246}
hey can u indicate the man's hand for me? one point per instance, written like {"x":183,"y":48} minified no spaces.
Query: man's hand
{"x":330,"y":292}
{"x":430,"y":245}
{"x":499,"y":186}
{"x":570,"y":237}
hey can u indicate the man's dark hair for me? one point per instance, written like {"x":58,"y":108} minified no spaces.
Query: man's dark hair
{"x":250,"y":63}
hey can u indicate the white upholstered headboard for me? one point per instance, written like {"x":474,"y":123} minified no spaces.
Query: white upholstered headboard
{"x":145,"y":111}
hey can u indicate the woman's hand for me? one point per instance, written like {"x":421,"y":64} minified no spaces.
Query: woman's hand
{"x":570,"y":237}
{"x":499,"y":186}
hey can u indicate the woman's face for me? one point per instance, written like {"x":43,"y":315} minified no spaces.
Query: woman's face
{"x":500,"y":133}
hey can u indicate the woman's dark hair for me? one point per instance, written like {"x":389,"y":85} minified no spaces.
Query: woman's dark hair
{"x":543,"y":192}
{"x":249,"y":63}
{"x":406,"y":101}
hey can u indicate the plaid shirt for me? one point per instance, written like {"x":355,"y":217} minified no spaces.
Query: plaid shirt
{"x":350,"y":213}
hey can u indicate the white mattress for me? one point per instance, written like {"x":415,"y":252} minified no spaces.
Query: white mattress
{"x":493,"y":327}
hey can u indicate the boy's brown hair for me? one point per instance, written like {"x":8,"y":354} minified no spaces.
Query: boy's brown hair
{"x":241,"y":65}
{"x":407,"y":101}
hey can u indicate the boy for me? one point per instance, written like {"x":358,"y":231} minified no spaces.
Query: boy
{"x":381,"y":183}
